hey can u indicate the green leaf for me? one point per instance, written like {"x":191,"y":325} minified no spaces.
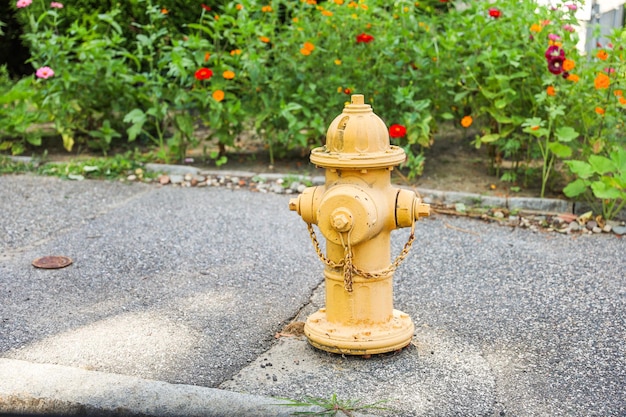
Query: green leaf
{"x":447,"y":116}
{"x":575,"y":188}
{"x":134,"y":131}
{"x":34,"y":140}
{"x":68,"y":141}
{"x":566,"y":134}
{"x":601,"y":164}
{"x":560,"y":150}
{"x":580,"y":168}
{"x":604,"y":191}
{"x":492,"y":137}
{"x":135,"y":116}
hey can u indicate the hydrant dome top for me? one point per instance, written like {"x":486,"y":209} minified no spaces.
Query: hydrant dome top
{"x":357,"y":138}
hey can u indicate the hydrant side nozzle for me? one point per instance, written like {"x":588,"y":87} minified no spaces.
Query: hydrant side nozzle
{"x":421,"y":209}
{"x":294,"y":204}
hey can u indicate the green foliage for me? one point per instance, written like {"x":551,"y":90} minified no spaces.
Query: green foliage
{"x":333,"y":405}
{"x":602,"y":178}
{"x":128,"y":72}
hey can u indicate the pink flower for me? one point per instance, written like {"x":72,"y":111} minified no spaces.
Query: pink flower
{"x":56,"y":5}
{"x":554,"y":37}
{"x":44,"y":72}
{"x":572,"y":7}
{"x":568,"y":28}
{"x":23,"y":3}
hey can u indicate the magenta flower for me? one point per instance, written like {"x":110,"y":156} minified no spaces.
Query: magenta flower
{"x":569,"y":28}
{"x":56,"y":5}
{"x":44,"y":72}
{"x":23,"y":3}
{"x":555,"y":56}
{"x":572,"y":7}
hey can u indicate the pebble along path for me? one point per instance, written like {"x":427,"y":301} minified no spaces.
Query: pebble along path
{"x":280,"y":184}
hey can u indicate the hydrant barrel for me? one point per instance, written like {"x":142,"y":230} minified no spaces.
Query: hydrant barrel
{"x":356,"y":210}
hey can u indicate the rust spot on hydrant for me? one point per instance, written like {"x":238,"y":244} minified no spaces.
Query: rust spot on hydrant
{"x":356,"y":210}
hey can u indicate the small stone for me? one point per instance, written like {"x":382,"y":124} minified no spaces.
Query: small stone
{"x":573,"y":227}
{"x":294,"y":186}
{"x":591,"y":224}
{"x":607,"y":228}
{"x":234,"y":180}
{"x":301,"y":188}
{"x":596,"y":230}
{"x":176,"y":179}
{"x":193,"y":182}
{"x":619,"y":230}
{"x":131,"y":177}
{"x":164,"y":179}
{"x":498,"y":214}
{"x":188,"y":177}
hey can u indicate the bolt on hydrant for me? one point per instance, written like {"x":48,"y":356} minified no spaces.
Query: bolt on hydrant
{"x":356,"y":210}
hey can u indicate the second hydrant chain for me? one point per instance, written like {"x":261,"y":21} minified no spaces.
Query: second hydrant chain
{"x":350,"y":269}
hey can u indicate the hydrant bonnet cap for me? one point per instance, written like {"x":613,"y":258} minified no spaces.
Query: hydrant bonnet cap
{"x":357,"y":138}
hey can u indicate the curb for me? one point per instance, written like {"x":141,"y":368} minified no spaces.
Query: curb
{"x":36,"y":389}
{"x":540,"y":205}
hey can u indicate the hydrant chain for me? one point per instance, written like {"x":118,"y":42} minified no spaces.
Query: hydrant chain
{"x":349,"y":268}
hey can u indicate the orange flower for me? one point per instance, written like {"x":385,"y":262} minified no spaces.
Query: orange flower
{"x":600,"y":111}
{"x":207,"y":55}
{"x":337,"y":61}
{"x":602,"y":55}
{"x":467,"y":121}
{"x":534,"y":128}
{"x":536,"y":28}
{"x":602,"y":81}
{"x":235,"y":52}
{"x":622,"y":100}
{"x":305,"y":52}
{"x":264,"y":39}
{"x":311,"y":1}
{"x":568,"y":65}
{"x":618,"y":93}
{"x":266,"y":9}
{"x":239,"y":7}
{"x":327,"y":13}
{"x":308,"y":46}
{"x":218,"y":95}
{"x":551,"y":91}
{"x":229,"y":75}
{"x":164,"y":11}
{"x":339,"y":2}
{"x":573,"y":78}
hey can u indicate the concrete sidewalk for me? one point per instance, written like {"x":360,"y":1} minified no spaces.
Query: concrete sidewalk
{"x":177,"y":300}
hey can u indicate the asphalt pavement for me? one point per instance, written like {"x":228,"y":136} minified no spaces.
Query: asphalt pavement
{"x":179,"y":301}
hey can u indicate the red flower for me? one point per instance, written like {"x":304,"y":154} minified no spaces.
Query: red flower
{"x":495,"y":13}
{"x":203,"y":74}
{"x":347,"y":91}
{"x":397,"y":131}
{"x":364,"y":38}
{"x":205,"y":7}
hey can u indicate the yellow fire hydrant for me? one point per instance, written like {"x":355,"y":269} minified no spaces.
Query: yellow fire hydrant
{"x":356,"y":210}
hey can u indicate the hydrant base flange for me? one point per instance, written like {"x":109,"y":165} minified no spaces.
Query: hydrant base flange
{"x":367,"y":339}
